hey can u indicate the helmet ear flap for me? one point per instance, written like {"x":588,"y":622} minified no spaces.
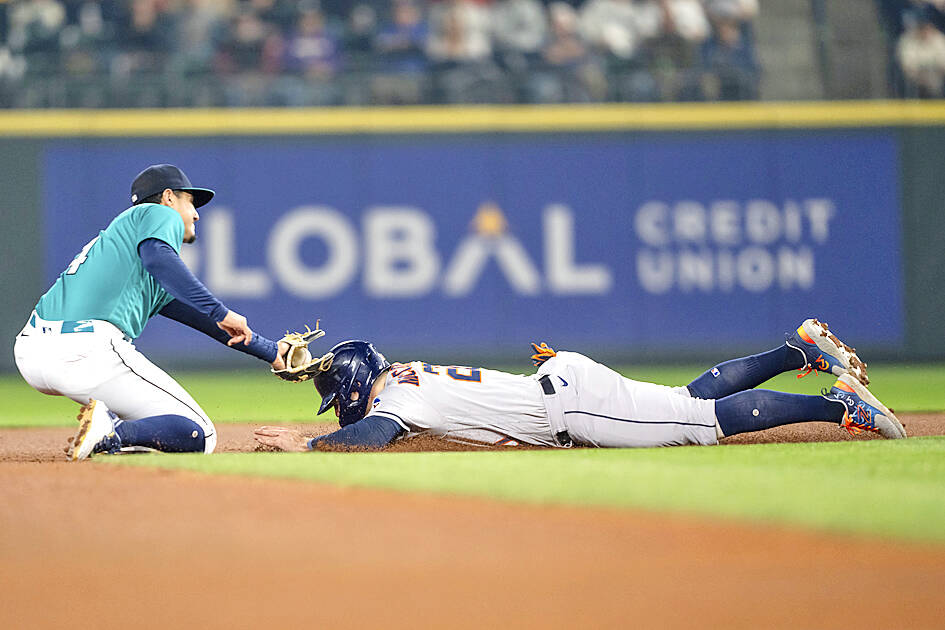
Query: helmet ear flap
{"x":328,"y":401}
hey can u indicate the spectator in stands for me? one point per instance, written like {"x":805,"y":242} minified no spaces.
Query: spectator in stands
{"x":675,"y":47}
{"x":245,"y":41}
{"x":401,"y":60}
{"x":246,"y":59}
{"x":921,"y":56}
{"x":34,"y":29}
{"x":35,"y":25}
{"x":281,"y":14}
{"x":357,"y":46}
{"x":85,"y":43}
{"x":459,"y":32}
{"x":611,"y":26}
{"x":12,"y":69}
{"x":144,"y":34}
{"x":618,"y":30}
{"x":742,"y":12}
{"x":730,"y":69}
{"x":290,"y":52}
{"x":143,"y":29}
{"x":360,"y":33}
{"x":313,"y":58}
{"x":519,"y":30}
{"x":460,"y":46}
{"x":569,"y":73}
{"x":201,"y":30}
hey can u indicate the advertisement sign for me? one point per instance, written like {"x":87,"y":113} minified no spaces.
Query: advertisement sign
{"x":481,"y":243}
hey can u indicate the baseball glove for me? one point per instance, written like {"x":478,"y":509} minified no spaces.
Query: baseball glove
{"x":299,"y":364}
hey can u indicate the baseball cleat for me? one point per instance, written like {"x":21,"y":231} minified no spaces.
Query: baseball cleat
{"x":825,"y":353}
{"x":864,"y":412}
{"x":96,"y":432}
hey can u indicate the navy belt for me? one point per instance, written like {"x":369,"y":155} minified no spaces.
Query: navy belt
{"x":561,"y":437}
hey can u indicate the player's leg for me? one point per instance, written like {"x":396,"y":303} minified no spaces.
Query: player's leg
{"x":811,"y":345}
{"x":60,"y":364}
{"x":745,"y":373}
{"x":848,"y":403}
{"x":152,"y":409}
{"x":600,"y":407}
{"x":28,"y":353}
{"x":759,"y":409}
{"x":100,"y":365}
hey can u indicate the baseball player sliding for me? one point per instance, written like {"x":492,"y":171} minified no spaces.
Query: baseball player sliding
{"x":575,"y":401}
{"x":78,"y":340}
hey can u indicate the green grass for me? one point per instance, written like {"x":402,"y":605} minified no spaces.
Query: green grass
{"x":892,"y":489}
{"x":255,"y":397}
{"x":238,"y":396}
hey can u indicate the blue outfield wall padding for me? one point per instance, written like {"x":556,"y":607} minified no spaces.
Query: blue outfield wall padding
{"x":623,"y":243}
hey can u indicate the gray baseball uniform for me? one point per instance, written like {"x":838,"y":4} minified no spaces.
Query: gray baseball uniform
{"x":571,"y":400}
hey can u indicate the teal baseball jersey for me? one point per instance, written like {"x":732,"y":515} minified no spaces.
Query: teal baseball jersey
{"x":106,"y":280}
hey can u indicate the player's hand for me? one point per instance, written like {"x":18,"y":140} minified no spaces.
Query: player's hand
{"x":282,"y":438}
{"x":236,"y":326}
{"x":282,"y":348}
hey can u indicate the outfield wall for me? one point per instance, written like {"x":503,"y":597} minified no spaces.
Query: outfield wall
{"x":631,"y":232}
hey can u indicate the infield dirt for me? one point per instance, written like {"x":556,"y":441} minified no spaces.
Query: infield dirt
{"x":102,"y":546}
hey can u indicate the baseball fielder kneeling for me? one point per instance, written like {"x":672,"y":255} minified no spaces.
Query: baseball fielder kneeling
{"x":78,"y":341}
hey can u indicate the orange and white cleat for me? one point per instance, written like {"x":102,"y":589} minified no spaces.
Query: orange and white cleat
{"x":864,"y":411}
{"x":824,"y":352}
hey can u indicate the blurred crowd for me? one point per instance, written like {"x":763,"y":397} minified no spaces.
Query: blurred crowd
{"x":916,"y":33}
{"x":187,"y":53}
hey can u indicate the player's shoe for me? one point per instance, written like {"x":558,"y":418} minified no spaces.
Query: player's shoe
{"x":864,"y":412}
{"x":96,"y":432}
{"x":824,"y":352}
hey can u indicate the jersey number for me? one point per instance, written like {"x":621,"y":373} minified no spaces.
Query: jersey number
{"x":455,"y":372}
{"x":78,"y":260}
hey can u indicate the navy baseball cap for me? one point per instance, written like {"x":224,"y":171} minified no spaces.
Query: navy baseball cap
{"x":157,"y":177}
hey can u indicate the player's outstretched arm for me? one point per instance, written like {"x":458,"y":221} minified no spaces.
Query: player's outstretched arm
{"x":236,"y":326}
{"x":372,"y":432}
{"x":161,"y":261}
{"x":269,"y":351}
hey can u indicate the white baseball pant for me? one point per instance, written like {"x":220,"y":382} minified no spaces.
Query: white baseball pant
{"x":597,"y":406}
{"x":94,"y":359}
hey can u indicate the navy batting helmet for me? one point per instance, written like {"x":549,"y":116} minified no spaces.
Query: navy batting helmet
{"x":354,"y":367}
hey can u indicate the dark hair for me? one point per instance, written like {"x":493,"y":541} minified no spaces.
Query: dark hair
{"x":156,"y":197}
